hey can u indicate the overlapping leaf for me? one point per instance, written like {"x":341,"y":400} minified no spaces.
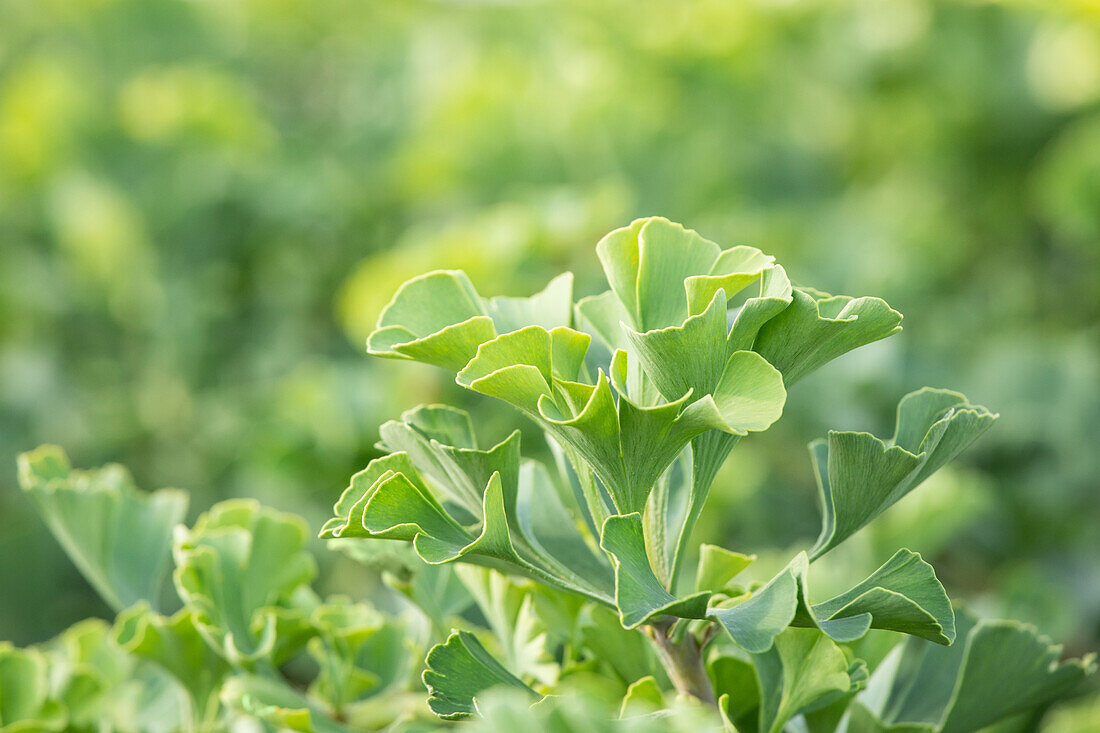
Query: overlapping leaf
{"x":903,"y":595}
{"x":459,"y":671}
{"x":440,"y":319}
{"x":639,"y":595}
{"x":118,"y":537}
{"x":817,"y":328}
{"x":455,"y":502}
{"x":175,"y":645}
{"x":277,"y":704}
{"x":244,"y":573}
{"x":860,"y":476}
{"x":802,"y":667}
{"x":997,"y":669}
{"x":359,"y":651}
{"x":25,"y":704}
{"x":628,"y":446}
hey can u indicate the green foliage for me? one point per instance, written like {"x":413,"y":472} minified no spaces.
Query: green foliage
{"x":641,"y":426}
{"x":526,"y":585}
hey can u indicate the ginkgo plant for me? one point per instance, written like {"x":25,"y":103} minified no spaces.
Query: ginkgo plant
{"x":554,"y":594}
{"x":643,"y":391}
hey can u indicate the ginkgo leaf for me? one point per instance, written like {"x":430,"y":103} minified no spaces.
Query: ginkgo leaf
{"x":274,"y":702}
{"x":360,"y":653}
{"x":25,"y":704}
{"x":118,"y":537}
{"x":661,"y":273}
{"x":903,"y":595}
{"x":627,"y":445}
{"x":642,"y":697}
{"x":439,"y":318}
{"x":509,"y":610}
{"x":458,"y":503}
{"x":237,"y":570}
{"x":175,"y":645}
{"x":817,"y":328}
{"x":718,"y":566}
{"x":639,"y":596}
{"x":460,"y":670}
{"x":995,"y":670}
{"x":860,"y":476}
{"x":801,"y":667}
{"x":755,"y":620}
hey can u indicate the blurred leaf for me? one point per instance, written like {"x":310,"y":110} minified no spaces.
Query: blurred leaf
{"x":238,"y":570}
{"x":118,"y":537}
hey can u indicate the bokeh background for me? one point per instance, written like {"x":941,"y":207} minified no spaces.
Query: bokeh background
{"x":204,"y":205}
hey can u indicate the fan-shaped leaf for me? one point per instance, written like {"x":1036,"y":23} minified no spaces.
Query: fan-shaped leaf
{"x":238,"y":570}
{"x":459,"y":671}
{"x":118,"y":537}
{"x":640,"y":597}
{"x":859,"y":476}
{"x":817,"y":328}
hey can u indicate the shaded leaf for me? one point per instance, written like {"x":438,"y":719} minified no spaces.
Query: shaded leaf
{"x":718,"y":566}
{"x":802,"y":667}
{"x":175,"y":645}
{"x":25,"y":706}
{"x":995,"y":670}
{"x":274,"y":702}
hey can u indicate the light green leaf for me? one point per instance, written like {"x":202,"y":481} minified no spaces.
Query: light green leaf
{"x":755,"y":621}
{"x":238,"y":570}
{"x":718,"y":566}
{"x":646,"y":265}
{"x":859,"y":476}
{"x":802,"y":667}
{"x":25,"y":706}
{"x":118,"y":537}
{"x":439,"y":318}
{"x":360,"y":653}
{"x":643,"y":697}
{"x":817,"y":328}
{"x":639,"y":596}
{"x":550,"y":308}
{"x":903,"y":595}
{"x":175,"y":645}
{"x":738,"y":692}
{"x":459,"y":671}
{"x":274,"y":702}
{"x":688,"y":357}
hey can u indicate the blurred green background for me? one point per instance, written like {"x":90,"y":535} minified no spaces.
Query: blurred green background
{"x":204,"y":205}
